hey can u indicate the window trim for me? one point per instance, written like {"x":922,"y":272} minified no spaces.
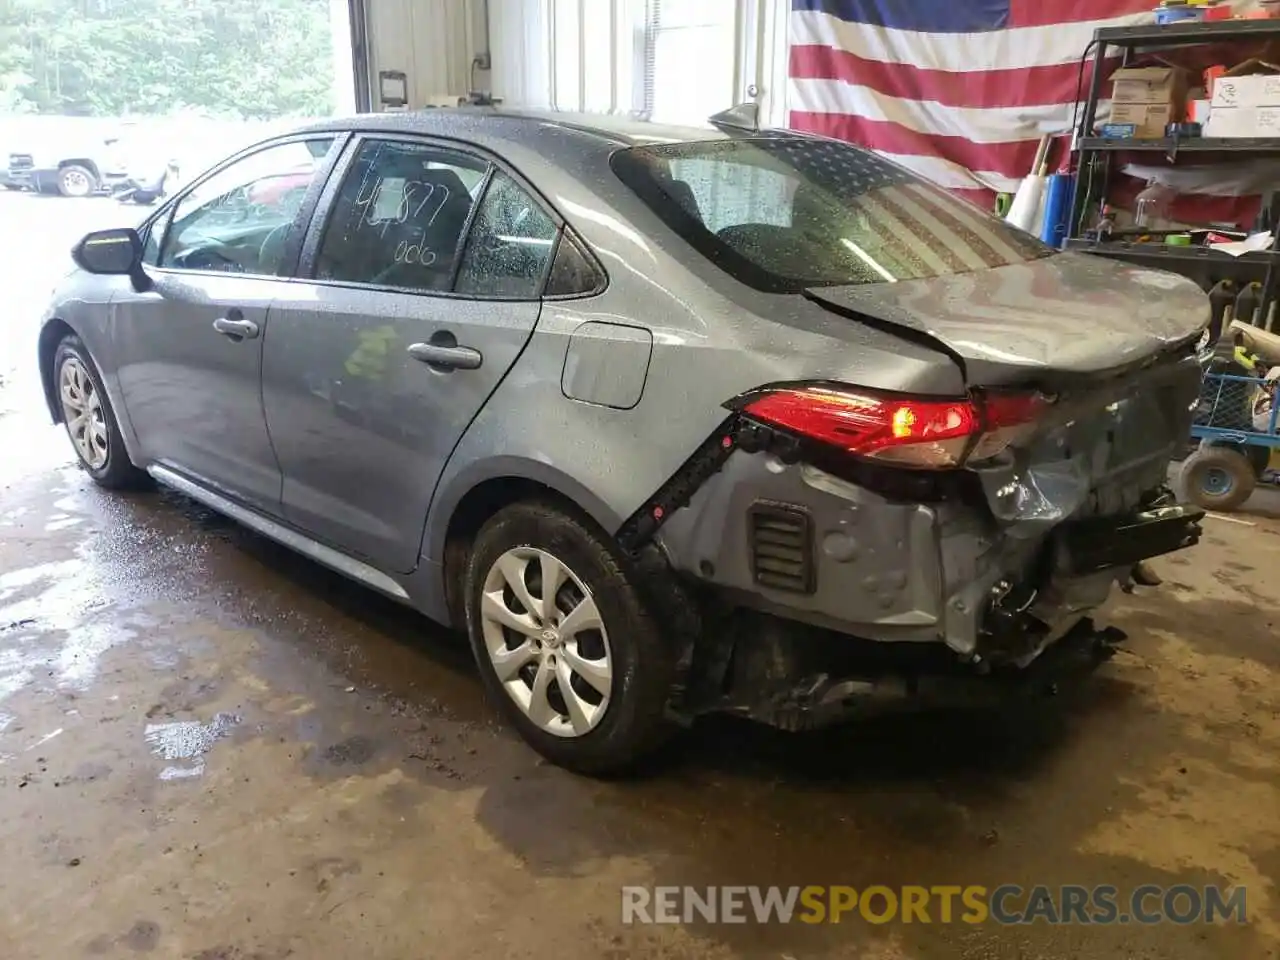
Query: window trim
{"x":290,"y":261}
{"x":464,"y":235}
{"x":309,"y":253}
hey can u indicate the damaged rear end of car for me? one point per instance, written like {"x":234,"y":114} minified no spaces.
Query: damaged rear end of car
{"x":863,"y":549}
{"x":855,"y":547}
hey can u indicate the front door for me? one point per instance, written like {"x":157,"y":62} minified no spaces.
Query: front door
{"x":427,"y":273}
{"x":191,"y":347}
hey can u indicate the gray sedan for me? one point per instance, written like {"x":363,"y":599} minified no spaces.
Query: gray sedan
{"x":671,"y":421}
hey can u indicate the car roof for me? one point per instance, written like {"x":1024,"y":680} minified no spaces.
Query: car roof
{"x":543,"y":132}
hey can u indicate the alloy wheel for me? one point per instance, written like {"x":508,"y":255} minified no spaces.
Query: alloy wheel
{"x":547,"y":641}
{"x":82,"y":412}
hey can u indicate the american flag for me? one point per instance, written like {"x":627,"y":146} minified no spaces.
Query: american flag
{"x":959,"y":91}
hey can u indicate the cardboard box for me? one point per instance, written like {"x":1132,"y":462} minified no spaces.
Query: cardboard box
{"x":1268,"y":122}
{"x":1257,"y":90}
{"x":1160,"y":85}
{"x":1149,"y":98}
{"x":1235,"y":122}
{"x":1231,"y":122}
{"x":1147,"y":119}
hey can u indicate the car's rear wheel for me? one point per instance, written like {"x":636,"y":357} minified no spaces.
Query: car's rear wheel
{"x":564,"y":641}
{"x":76,"y":181}
{"x":91,"y":423}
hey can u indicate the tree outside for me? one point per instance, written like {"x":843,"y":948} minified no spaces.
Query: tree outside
{"x":231,"y":59}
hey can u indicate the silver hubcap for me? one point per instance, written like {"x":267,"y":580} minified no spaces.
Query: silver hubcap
{"x":75,"y":182}
{"x":547,"y":641}
{"x":82,"y":412}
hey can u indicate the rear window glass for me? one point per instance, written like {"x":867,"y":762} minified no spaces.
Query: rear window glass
{"x":785,"y":213}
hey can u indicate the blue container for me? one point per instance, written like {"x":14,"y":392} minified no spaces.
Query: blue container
{"x":1178,"y":14}
{"x":1057,"y":209}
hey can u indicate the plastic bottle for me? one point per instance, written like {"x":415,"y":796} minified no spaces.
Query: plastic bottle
{"x":1106,"y":222}
{"x":1221,"y":299}
{"x":1152,"y":207}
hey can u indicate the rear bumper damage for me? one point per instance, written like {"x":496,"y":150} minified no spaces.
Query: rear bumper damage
{"x":840,"y":588}
{"x":796,"y":678}
{"x":899,"y":628}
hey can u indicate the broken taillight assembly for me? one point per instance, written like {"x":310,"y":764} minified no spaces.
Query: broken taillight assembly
{"x":909,"y":431}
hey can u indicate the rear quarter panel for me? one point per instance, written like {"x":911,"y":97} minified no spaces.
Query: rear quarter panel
{"x":706,"y":350}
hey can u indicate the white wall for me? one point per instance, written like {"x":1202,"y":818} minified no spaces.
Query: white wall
{"x":590,"y":54}
{"x":433,"y":41}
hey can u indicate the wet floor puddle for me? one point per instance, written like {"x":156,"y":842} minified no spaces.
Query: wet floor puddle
{"x":184,"y":743}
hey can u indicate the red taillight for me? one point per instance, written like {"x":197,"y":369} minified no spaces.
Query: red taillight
{"x":912,"y":431}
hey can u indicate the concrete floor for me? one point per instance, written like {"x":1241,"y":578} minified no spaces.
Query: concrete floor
{"x":212,"y":749}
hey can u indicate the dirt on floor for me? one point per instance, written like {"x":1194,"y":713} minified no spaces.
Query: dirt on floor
{"x":213,"y":749}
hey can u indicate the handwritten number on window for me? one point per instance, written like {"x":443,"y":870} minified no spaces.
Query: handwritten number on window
{"x":414,"y":253}
{"x":391,"y":201}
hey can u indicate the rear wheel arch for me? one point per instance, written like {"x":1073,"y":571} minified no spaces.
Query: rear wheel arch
{"x":470,"y":505}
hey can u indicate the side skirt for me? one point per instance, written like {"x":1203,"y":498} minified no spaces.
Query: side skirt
{"x":331,"y":558}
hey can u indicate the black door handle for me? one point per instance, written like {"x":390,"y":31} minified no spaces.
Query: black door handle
{"x":446,"y":358}
{"x":236,"y":327}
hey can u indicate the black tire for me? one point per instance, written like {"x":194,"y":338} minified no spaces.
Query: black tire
{"x":117,"y":472}
{"x":76,"y":181}
{"x":634,"y":723}
{"x":1218,"y":478}
{"x":1259,"y":458}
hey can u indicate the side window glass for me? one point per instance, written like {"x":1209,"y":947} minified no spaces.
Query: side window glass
{"x":510,"y":244}
{"x":155,"y":233}
{"x":572,"y":271}
{"x":241,"y":219}
{"x":399,"y":216}
{"x":151,"y":246}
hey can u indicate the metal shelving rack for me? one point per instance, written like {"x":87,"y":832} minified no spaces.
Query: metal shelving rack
{"x":1204,"y":265}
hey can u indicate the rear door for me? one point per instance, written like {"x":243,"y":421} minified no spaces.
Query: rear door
{"x":420,"y":283}
{"x":190,"y":348}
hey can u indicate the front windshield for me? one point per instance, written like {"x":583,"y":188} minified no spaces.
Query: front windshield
{"x":785,"y":213}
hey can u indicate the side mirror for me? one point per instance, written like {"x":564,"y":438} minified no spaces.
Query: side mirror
{"x":116,"y":252}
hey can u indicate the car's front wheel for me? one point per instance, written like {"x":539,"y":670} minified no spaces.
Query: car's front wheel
{"x":564,"y":641}
{"x":89,"y":419}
